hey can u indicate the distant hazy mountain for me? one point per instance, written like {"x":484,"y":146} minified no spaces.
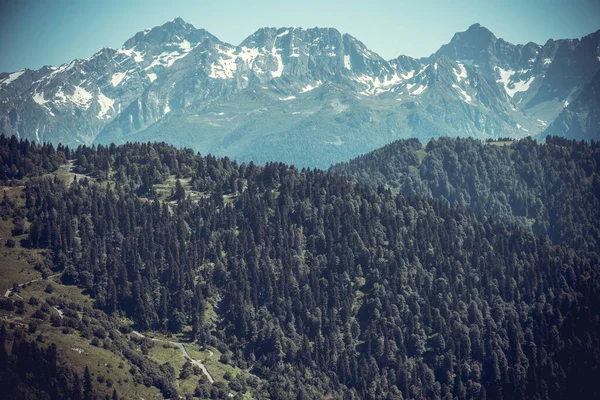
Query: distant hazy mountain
{"x":581,"y":118}
{"x":308,"y":97}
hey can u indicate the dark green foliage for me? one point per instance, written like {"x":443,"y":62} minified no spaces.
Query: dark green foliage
{"x":19,"y":159}
{"x":321,"y":285}
{"x":30,"y":371}
{"x":19,"y":226}
{"x":552,"y":187}
{"x":87,"y":384}
{"x":179,"y":193}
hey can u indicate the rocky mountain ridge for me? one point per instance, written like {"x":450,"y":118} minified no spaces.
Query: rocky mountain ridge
{"x":311,"y":97}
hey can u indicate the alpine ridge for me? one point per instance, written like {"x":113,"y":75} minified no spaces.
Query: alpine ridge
{"x":309,"y":97}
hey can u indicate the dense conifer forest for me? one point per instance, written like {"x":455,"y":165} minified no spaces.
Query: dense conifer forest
{"x":29,"y":371}
{"x":554,"y":187}
{"x":478,"y":280}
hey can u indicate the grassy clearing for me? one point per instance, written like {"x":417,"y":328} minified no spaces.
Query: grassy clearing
{"x":210,"y":358}
{"x":102,"y":363}
{"x":421,"y":155}
{"x":166,"y":189}
{"x":163,"y":352}
{"x":503,"y":143}
{"x":16,"y":266}
{"x":110,"y":370}
{"x":63,"y":173}
{"x":16,"y":263}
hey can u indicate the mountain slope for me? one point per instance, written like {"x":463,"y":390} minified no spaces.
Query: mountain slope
{"x":581,"y":118}
{"x":311,"y":97}
{"x":537,"y":79}
{"x":313,"y":283}
{"x":71,"y":103}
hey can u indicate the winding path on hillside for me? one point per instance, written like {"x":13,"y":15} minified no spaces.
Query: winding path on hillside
{"x":183,"y":351}
{"x":10,"y":291}
{"x":180,"y":345}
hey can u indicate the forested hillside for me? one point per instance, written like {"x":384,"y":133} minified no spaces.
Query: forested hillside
{"x":319,"y":285}
{"x":552,"y":187}
{"x":30,"y":372}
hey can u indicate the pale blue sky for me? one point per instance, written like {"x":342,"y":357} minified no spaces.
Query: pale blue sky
{"x":38,"y":32}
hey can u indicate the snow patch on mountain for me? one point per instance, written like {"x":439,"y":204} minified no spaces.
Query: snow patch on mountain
{"x":168,"y":58}
{"x":225,"y":67}
{"x":279,"y":71}
{"x":185,"y":46}
{"x":106,"y":104}
{"x":56,"y":71}
{"x":569,"y":97}
{"x":152,"y":77}
{"x":510,"y":87}
{"x":505,"y":76}
{"x":467,"y":99}
{"x":419,"y":90}
{"x":521,"y":128}
{"x":137,"y":56}
{"x":308,"y":88}
{"x":39,"y":99}
{"x":59,"y":96}
{"x":248,"y":55}
{"x":117,"y":78}
{"x":81,"y":98}
{"x":11,"y":78}
{"x":347,"y":64}
{"x":337,"y":142}
{"x":287,"y":98}
{"x":519,"y":86}
{"x":423,"y":68}
{"x":294,"y":50}
{"x":408,"y":75}
{"x":376,"y":86}
{"x":461,"y":74}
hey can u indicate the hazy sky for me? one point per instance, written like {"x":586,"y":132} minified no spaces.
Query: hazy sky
{"x":38,"y":32}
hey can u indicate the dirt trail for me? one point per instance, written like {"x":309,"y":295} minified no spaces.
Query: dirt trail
{"x":181,"y":347}
{"x":70,"y":167}
{"x":10,"y":291}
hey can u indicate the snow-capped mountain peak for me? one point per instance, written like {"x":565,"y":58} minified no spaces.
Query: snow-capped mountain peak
{"x":317,"y":79}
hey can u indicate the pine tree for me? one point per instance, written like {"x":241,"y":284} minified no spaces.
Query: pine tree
{"x":179,"y":193}
{"x":87,"y":384}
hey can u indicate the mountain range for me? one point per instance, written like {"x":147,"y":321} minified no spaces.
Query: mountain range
{"x":309,"y":97}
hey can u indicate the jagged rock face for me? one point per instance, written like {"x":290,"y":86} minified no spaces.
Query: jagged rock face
{"x":581,"y":118}
{"x":306,"y":96}
{"x":478,"y":45}
{"x":540,"y":80}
